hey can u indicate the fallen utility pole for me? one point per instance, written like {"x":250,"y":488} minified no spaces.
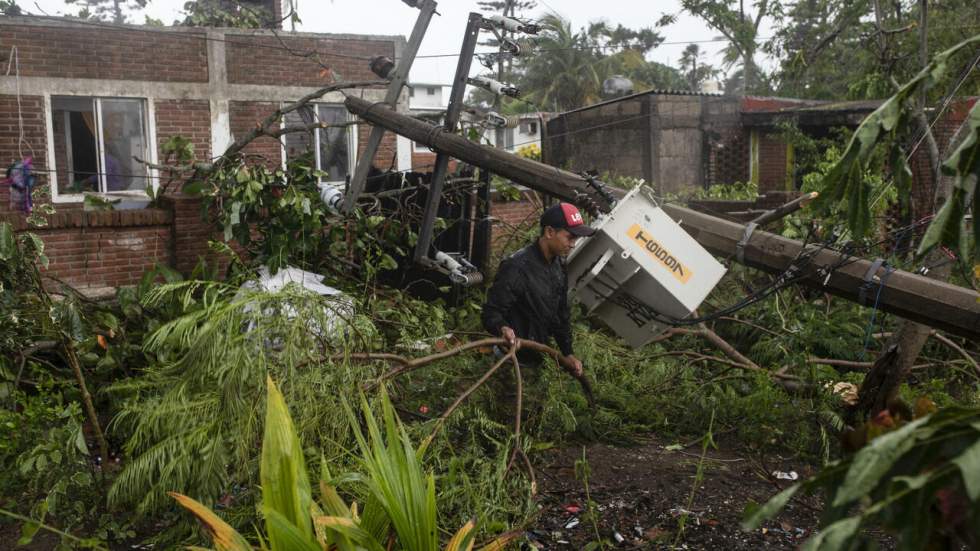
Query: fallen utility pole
{"x":934,"y":303}
{"x":541,"y":177}
{"x":907,"y":295}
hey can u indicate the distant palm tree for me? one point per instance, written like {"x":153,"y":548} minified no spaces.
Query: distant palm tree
{"x":565,"y":72}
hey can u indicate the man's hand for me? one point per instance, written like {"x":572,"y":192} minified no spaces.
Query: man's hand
{"x":508,"y":334}
{"x":573,"y":364}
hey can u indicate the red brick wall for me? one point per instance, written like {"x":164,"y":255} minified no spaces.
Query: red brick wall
{"x":32,"y":110}
{"x":255,"y":59}
{"x":387,"y":151}
{"x":104,"y":249}
{"x":513,"y":216}
{"x":244,"y":117}
{"x":104,"y":52}
{"x":923,"y":186}
{"x":190,"y":119}
{"x":772,"y":162}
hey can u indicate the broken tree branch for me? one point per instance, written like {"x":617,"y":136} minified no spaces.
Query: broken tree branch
{"x":511,"y":355}
{"x":410,"y":364}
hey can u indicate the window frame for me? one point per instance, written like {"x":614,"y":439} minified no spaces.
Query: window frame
{"x":351,"y":141}
{"x":149,"y":129}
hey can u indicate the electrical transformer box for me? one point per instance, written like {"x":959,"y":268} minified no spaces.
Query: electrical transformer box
{"x":639,"y":269}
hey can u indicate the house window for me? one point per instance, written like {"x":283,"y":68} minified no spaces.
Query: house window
{"x":95,"y":142}
{"x":504,"y":137}
{"x":331,"y":150}
{"x":430,"y":90}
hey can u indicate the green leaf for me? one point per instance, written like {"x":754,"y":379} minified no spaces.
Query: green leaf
{"x":969,"y":464}
{"x":193,"y":188}
{"x":8,"y":243}
{"x":79,"y":440}
{"x":835,"y":537}
{"x":285,"y":486}
{"x":284,"y":535}
{"x":873,"y":461}
{"x":236,"y":210}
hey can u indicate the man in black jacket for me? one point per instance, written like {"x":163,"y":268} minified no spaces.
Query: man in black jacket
{"x":529,"y":297}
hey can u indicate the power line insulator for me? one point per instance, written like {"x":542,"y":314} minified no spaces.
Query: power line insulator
{"x":382,"y":66}
{"x":511,"y":24}
{"x":495,"y":87}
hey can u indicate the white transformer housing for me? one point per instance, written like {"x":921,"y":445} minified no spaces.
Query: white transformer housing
{"x":639,"y":267}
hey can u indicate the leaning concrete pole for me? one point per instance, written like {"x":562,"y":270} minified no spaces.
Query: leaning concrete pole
{"x":565,"y":185}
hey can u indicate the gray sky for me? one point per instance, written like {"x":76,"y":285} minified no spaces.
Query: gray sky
{"x":445,"y":32}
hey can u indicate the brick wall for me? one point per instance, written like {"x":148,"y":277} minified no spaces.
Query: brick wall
{"x":32,"y":112}
{"x":512,"y":218}
{"x":103,"y":249}
{"x":190,"y":119}
{"x":255,"y":59}
{"x":772,"y":162}
{"x":387,"y":153}
{"x":244,"y":117}
{"x":924,"y":188}
{"x":105,"y":52}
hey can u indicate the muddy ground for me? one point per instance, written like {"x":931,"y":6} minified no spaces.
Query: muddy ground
{"x":640,"y":493}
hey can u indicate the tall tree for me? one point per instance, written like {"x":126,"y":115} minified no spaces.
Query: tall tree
{"x":567,"y":68}
{"x":113,"y":11}
{"x":227,"y":13}
{"x":695,"y":70}
{"x":815,"y":35}
{"x":10,"y":7}
{"x":740,"y":27}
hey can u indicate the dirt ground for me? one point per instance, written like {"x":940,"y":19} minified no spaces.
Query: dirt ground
{"x":640,"y":493}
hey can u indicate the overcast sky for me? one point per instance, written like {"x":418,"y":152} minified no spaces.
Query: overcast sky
{"x":445,"y":32}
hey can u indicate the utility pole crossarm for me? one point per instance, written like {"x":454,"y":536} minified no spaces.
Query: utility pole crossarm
{"x":400,"y":75}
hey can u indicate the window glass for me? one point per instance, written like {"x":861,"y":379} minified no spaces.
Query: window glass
{"x":124,"y":139}
{"x":431,"y":91}
{"x":76,"y":156}
{"x":95,"y":142}
{"x":334,"y":143}
{"x":329,"y":149}
{"x":300,"y":143}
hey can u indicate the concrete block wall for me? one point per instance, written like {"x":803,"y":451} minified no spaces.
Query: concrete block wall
{"x":613,"y":138}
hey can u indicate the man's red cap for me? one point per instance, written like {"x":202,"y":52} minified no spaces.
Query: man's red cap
{"x":566,"y":216}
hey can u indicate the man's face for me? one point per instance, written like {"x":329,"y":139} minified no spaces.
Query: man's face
{"x":560,"y":241}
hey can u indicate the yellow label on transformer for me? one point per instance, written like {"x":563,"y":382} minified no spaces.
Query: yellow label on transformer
{"x":644,"y":239}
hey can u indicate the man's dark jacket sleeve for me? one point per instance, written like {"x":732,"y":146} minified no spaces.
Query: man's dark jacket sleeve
{"x":501,"y":297}
{"x":563,"y":327}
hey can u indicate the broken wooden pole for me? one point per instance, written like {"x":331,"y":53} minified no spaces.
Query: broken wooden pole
{"x":785,"y":210}
{"x":937,"y":304}
{"x":565,"y":185}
